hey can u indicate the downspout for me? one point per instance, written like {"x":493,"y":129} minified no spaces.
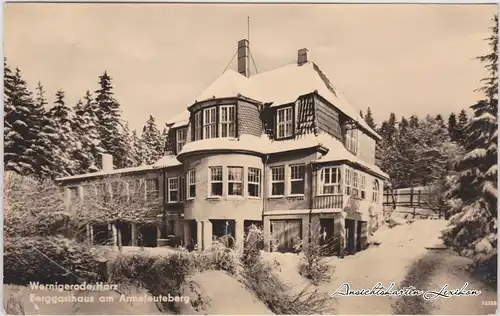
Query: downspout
{"x":264,"y":181}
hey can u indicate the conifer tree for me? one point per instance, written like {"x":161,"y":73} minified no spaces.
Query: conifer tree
{"x":90,"y":109}
{"x":109,"y":121}
{"x":18,"y":120}
{"x":46,"y":138}
{"x":475,"y":189}
{"x":137,"y":148}
{"x":60,"y":117}
{"x":369,"y":119}
{"x":452,"y":127}
{"x":463,"y":120}
{"x":152,"y":142}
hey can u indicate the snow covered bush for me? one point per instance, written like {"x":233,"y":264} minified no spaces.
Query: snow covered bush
{"x":159,"y":275}
{"x":48,"y":260}
{"x":312,"y":264}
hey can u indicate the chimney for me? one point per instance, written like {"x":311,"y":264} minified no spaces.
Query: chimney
{"x":243,"y":58}
{"x":107,"y":162}
{"x":302,"y":56}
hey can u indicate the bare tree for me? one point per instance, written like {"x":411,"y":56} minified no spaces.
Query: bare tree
{"x":117,"y":199}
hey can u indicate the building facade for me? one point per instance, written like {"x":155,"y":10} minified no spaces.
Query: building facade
{"x":282,"y":149}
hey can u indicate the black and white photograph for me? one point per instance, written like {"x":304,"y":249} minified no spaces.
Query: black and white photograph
{"x":250,"y":158}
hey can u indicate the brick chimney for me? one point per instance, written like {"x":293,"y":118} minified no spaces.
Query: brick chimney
{"x":244,"y":57}
{"x":107,"y":162}
{"x":302,"y":56}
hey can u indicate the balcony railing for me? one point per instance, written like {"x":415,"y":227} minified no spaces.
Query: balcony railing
{"x":328,"y":202}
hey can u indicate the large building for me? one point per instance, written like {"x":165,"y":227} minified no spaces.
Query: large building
{"x":282,"y":149}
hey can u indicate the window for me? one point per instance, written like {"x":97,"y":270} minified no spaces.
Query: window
{"x":376,"y":190}
{"x":210,"y":123}
{"x":284,"y":122}
{"x":355,"y":184}
{"x":363,"y":186}
{"x":278,"y":181}
{"x":297,"y":179}
{"x":330,"y":181}
{"x":173,"y":190}
{"x":191,"y":184}
{"x":254,"y":182}
{"x":235,"y":181}
{"x":182,"y":189}
{"x":351,"y":140}
{"x":74,"y":196}
{"x":197,"y":126}
{"x":227,"y":121}
{"x":181,"y":139}
{"x":151,"y":188}
{"x":216,"y":184}
{"x":348,"y":181}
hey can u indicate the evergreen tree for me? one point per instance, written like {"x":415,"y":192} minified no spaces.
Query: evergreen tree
{"x":90,"y":109}
{"x":369,"y":119}
{"x":18,"y":120}
{"x":463,"y":120}
{"x":414,"y":121}
{"x":84,"y":133}
{"x":46,"y":138}
{"x":127,"y":140}
{"x":439,"y":120}
{"x":60,"y":117}
{"x":109,"y":121}
{"x":452,"y":127}
{"x":152,"y":142}
{"x":164,"y":137}
{"x":137,"y":149}
{"x":475,"y":187}
{"x":361,"y":114}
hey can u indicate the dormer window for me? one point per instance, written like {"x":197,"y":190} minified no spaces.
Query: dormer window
{"x":180,"y":139}
{"x":284,"y":122}
{"x":210,"y":123}
{"x":227,"y":121}
{"x":351,"y":140}
{"x":197,"y":126}
{"x":213,"y":122}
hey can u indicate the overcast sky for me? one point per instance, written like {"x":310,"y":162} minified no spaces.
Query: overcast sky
{"x":407,"y":59}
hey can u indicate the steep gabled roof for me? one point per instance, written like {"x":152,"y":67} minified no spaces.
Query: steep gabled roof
{"x":280,"y":86}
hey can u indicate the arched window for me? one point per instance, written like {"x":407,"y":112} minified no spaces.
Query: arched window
{"x":376,"y":190}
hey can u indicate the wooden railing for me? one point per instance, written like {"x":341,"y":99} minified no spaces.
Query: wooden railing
{"x":327,"y":202}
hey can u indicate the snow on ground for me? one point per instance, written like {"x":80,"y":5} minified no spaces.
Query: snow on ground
{"x":402,"y":258}
{"x":223,"y":294}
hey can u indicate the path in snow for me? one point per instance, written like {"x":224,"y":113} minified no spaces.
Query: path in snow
{"x":401,"y":258}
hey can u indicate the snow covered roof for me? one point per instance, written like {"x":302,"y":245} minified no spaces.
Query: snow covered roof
{"x":337,"y":151}
{"x":167,"y":161}
{"x":164,"y":162}
{"x":181,"y":119}
{"x":264,"y":145}
{"x":107,"y":173}
{"x":279,"y":86}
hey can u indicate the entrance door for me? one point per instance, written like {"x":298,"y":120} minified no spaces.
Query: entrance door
{"x":362,"y":236}
{"x":327,"y":236}
{"x":287,"y":234}
{"x":350,"y":235}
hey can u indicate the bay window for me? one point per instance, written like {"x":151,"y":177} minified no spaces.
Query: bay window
{"x":297,"y":179}
{"x":210,"y":123}
{"x":227,"y":121}
{"x":278,"y":181}
{"x":330,"y":180}
{"x":254,"y":182}
{"x":348,"y":181}
{"x":284,"y":122}
{"x":173,"y":190}
{"x":235,"y":181}
{"x":191,"y":184}
{"x":216,"y":181}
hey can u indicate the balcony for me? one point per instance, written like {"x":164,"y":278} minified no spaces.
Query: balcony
{"x":328,"y":202}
